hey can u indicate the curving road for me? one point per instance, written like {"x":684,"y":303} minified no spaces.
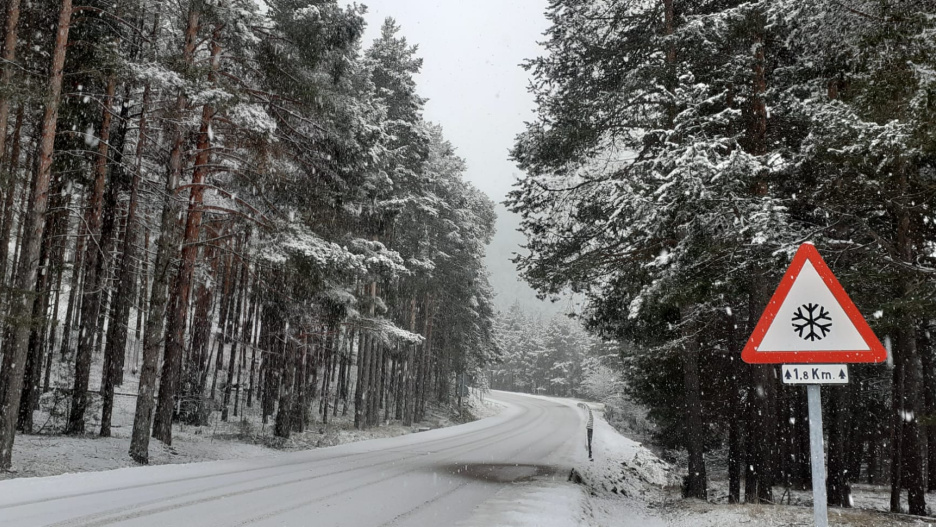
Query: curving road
{"x":431,"y":478}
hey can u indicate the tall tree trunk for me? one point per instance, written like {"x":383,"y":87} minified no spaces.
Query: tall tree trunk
{"x":154,"y":333}
{"x":176,"y":316}
{"x":423,"y":388}
{"x":255,"y":335}
{"x":300,"y":403}
{"x":838,"y":489}
{"x":93,"y":280}
{"x":346,"y":384}
{"x":898,"y":405}
{"x":14,"y":357}
{"x":62,"y":228}
{"x":696,"y":485}
{"x":6,"y":76}
{"x":925,"y":350}
{"x":74,"y":293}
{"x":142,"y":294}
{"x":29,"y":400}
{"x":193,"y":222}
{"x":409,"y":402}
{"x":235,"y":330}
{"x":112,"y":371}
{"x":342,"y":366}
{"x":907,"y":439}
{"x":9,"y":182}
{"x":735,"y":458}
{"x":224,"y":310}
{"x":764,"y":382}
{"x":120,"y":315}
{"x":363,"y":344}
{"x":283,"y":425}
{"x":735,"y":426}
{"x":914,"y":455}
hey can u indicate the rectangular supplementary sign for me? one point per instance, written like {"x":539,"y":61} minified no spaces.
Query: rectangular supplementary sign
{"x":814,"y":373}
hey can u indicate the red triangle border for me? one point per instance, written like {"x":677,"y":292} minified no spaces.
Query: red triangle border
{"x":808,"y":252}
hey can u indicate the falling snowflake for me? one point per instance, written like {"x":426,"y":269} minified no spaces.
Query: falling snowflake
{"x":810,"y":320}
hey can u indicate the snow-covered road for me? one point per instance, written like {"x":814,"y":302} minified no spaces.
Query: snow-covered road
{"x":431,"y":478}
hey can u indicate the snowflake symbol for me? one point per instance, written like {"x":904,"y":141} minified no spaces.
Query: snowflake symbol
{"x":807,"y":320}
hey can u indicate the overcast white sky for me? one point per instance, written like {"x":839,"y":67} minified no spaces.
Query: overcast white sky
{"x":471,"y":52}
{"x":477,"y":91}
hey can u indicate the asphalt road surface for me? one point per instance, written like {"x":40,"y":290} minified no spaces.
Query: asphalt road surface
{"x":432,"y":478}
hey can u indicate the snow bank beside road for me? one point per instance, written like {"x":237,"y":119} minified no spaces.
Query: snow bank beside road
{"x":626,"y":481}
{"x":631,"y":487}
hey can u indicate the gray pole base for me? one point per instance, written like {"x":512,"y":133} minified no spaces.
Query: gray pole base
{"x":816,"y":456}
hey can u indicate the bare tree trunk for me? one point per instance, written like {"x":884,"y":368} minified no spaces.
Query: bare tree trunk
{"x":422,"y":388}
{"x":925,"y":350}
{"x":174,"y":337}
{"x":62,"y":228}
{"x":283,"y":425}
{"x":363,"y":343}
{"x":235,"y":328}
{"x":908,"y":442}
{"x":896,"y":438}
{"x":120,"y":317}
{"x":410,"y":367}
{"x":837,"y":487}
{"x":142,"y":293}
{"x":389,"y":380}
{"x":154,"y":334}
{"x":400,"y":382}
{"x":914,"y":455}
{"x":300,"y":405}
{"x":345,"y":386}
{"x":327,"y":357}
{"x":12,"y":166}
{"x":114,"y":356}
{"x":14,"y":357}
{"x":192,"y":229}
{"x":23,"y":214}
{"x":254,"y":342}
{"x":9,"y":63}
{"x":75,"y":288}
{"x":30,"y":395}
{"x":342,"y":365}
{"x":695,"y":485}
{"x":29,"y":400}
{"x":93,"y":284}
{"x":224,"y":310}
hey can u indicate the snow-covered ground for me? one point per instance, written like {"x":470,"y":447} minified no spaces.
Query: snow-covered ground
{"x":625,"y":482}
{"x":36,"y":455}
{"x":628,"y":486}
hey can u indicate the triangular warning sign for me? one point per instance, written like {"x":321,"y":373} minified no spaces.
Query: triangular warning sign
{"x":810,"y":319}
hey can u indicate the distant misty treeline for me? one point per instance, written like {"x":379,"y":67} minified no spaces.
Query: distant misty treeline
{"x":682,"y":150}
{"x":215,"y":207}
{"x":552,"y":356}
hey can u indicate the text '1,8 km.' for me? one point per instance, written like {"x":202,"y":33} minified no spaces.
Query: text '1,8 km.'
{"x":814,"y":373}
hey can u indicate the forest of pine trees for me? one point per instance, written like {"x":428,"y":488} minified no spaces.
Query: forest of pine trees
{"x":550,"y":357}
{"x":220,"y":208}
{"x":682,"y":151}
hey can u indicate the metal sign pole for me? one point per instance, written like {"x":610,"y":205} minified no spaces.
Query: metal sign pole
{"x":816,"y":456}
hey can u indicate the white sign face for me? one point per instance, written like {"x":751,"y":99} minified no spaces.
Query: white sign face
{"x":814,"y":373}
{"x":811,"y":319}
